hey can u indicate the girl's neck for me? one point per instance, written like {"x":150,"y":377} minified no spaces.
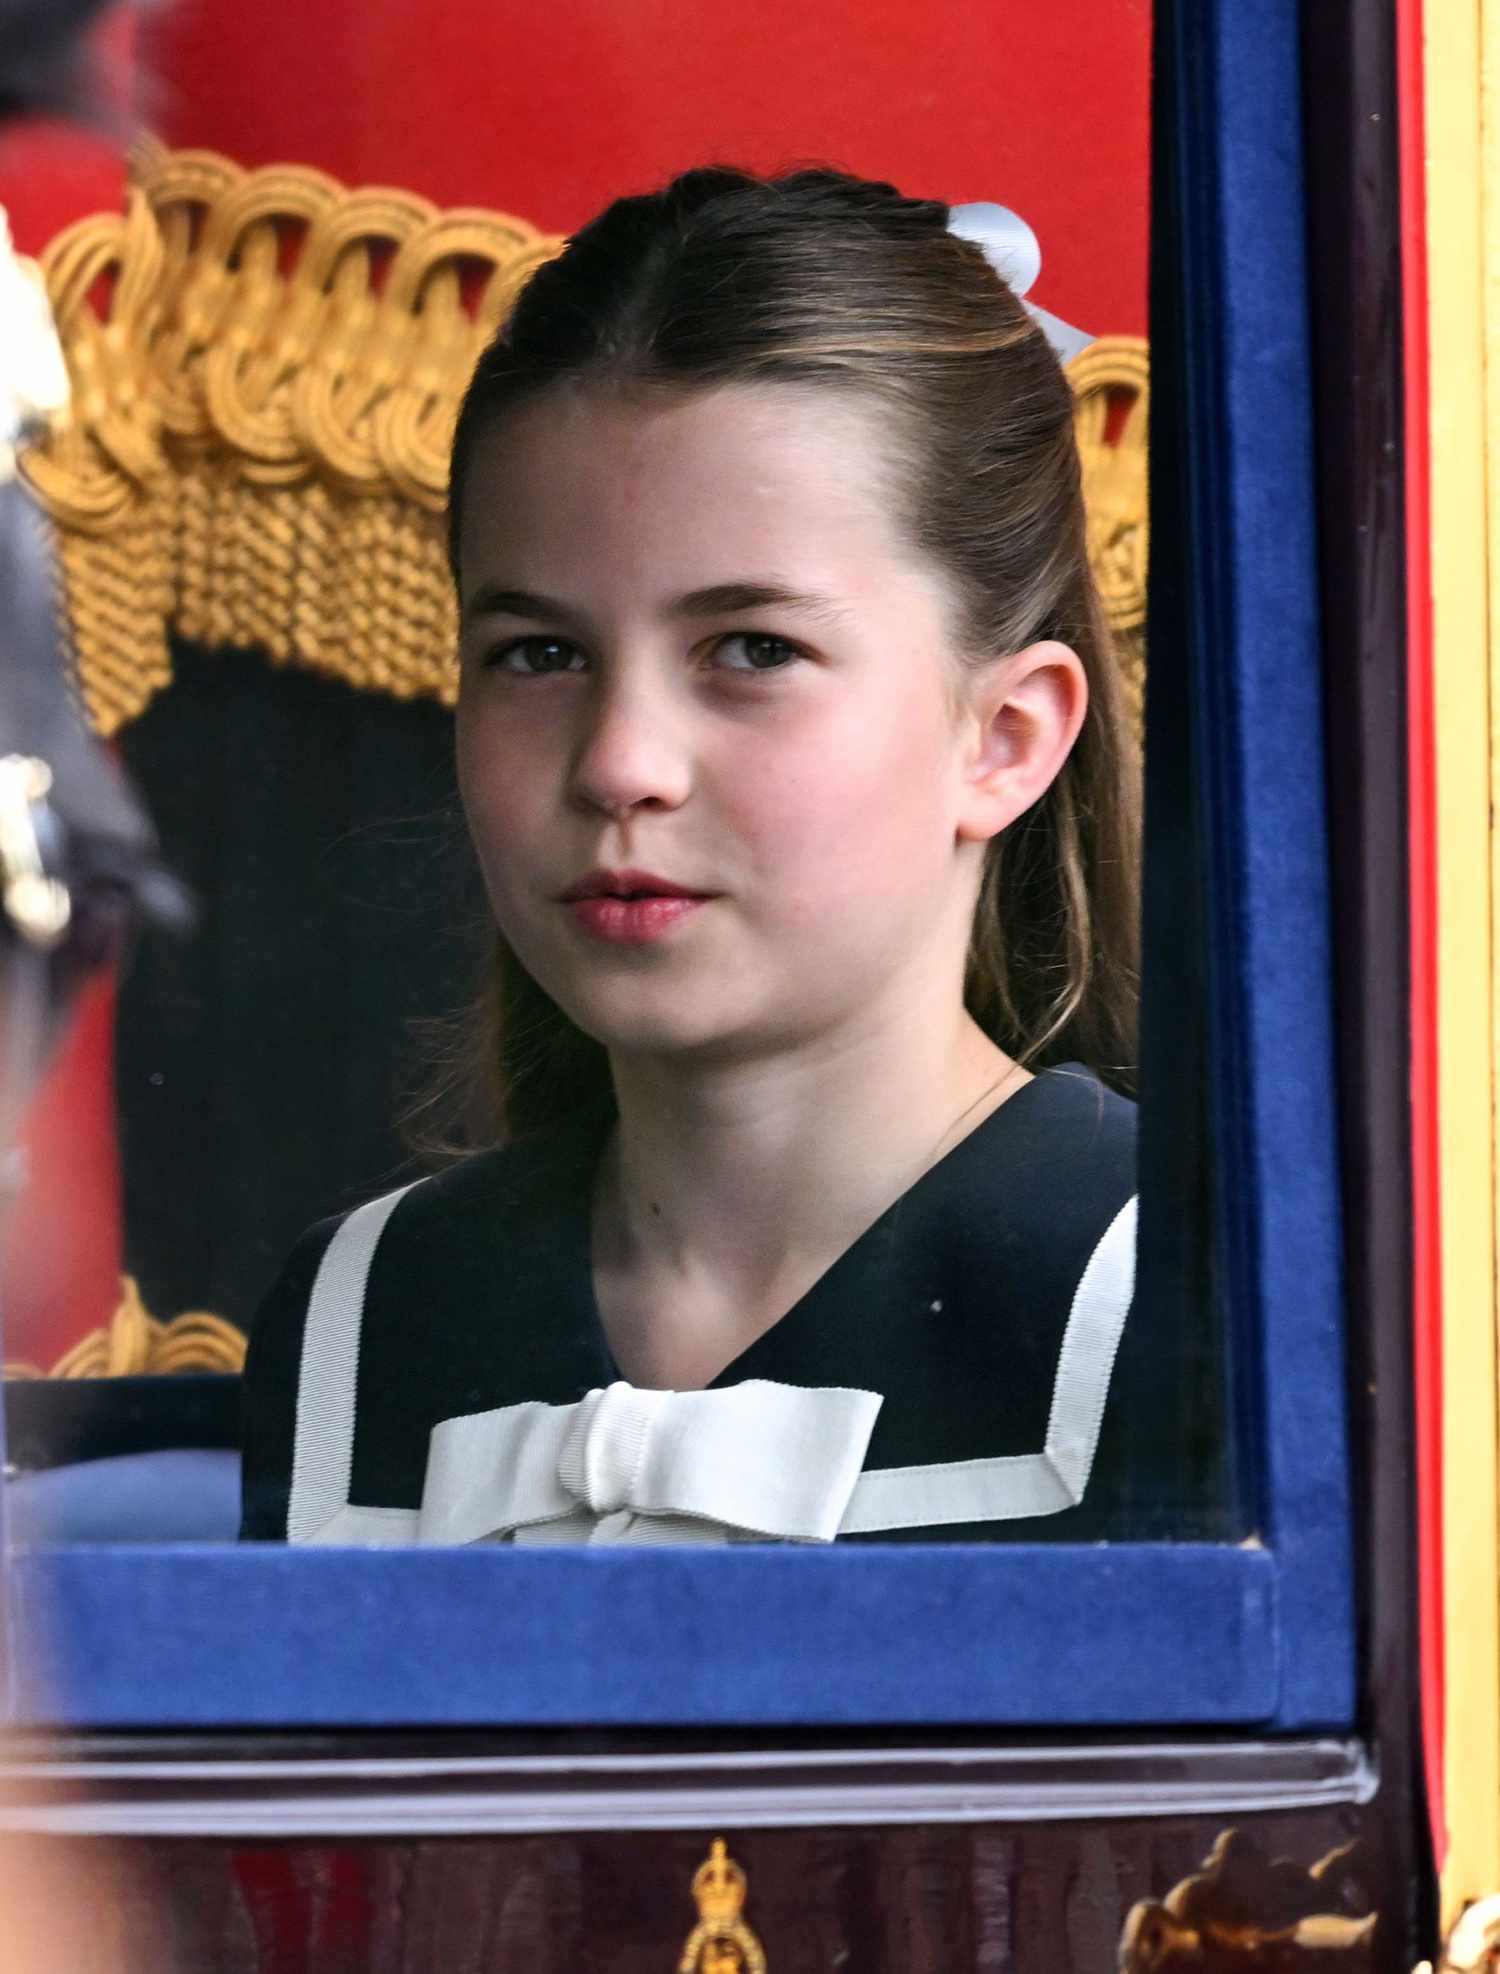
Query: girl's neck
{"x":728,"y":1190}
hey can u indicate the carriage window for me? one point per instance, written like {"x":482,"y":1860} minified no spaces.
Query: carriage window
{"x":676,"y":1050}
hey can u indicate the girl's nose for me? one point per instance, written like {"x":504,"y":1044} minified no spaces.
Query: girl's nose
{"x":629,"y":755}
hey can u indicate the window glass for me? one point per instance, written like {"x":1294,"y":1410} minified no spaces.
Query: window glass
{"x":798,"y":736}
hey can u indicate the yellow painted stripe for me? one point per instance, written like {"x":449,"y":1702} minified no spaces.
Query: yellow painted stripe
{"x":1462,"y":58}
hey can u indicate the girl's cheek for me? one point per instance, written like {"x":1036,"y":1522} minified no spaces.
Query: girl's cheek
{"x":856,"y":778}
{"x":494,"y":764}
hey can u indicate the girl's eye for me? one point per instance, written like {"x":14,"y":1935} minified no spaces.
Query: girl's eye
{"x":754,"y":651}
{"x":535,"y":657}
{"x":543,"y":657}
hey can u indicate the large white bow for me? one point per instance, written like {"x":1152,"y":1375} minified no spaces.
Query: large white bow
{"x":629,"y":1465}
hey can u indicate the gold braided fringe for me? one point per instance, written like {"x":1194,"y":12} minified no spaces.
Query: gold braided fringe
{"x":266,"y":367}
{"x":134,"y":1344}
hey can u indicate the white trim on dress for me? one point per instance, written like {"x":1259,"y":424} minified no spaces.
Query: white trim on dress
{"x":1004,"y":1488}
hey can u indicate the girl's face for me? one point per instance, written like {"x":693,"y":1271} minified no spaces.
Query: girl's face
{"x":711,"y":729}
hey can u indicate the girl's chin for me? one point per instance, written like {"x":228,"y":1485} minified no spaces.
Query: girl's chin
{"x":672,"y":1026}
{"x":666,"y":1038}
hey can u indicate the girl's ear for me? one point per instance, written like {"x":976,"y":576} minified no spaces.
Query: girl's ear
{"x":1024,"y":714}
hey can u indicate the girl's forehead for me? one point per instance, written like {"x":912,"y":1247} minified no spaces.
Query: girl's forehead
{"x":735,"y":445}
{"x":792,"y":422}
{"x":759,"y":471}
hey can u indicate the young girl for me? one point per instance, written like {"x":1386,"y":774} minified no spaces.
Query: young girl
{"x":790,"y":744}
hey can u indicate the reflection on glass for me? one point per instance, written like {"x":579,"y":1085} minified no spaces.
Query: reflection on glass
{"x":788,"y":1155}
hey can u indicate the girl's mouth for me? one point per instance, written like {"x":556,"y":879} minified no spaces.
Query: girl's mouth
{"x":632,"y":921}
{"x":629,"y":907}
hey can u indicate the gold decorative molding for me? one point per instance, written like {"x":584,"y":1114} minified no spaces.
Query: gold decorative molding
{"x":265,"y":369}
{"x":1243,"y":1915}
{"x":721,"y":1942}
{"x":134,"y":1344}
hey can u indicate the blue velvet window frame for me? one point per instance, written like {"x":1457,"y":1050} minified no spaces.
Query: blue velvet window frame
{"x":1260,"y":1634}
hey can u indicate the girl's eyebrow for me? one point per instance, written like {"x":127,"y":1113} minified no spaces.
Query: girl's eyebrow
{"x":717,"y":600}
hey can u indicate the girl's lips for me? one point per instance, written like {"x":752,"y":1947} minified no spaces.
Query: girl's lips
{"x":603,"y":883}
{"x":633,"y":921}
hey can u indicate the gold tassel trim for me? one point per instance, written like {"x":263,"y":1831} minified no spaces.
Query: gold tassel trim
{"x":134,"y":1344}
{"x":262,"y":408}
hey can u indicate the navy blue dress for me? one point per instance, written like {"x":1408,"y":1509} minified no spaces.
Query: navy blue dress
{"x":953,"y":1305}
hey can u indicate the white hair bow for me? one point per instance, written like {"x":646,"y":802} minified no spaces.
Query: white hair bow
{"x":1012,"y":249}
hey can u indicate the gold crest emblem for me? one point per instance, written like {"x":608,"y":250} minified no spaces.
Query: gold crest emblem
{"x":721,"y":1942}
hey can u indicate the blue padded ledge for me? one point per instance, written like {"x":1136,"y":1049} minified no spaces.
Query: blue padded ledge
{"x":262,"y":1636}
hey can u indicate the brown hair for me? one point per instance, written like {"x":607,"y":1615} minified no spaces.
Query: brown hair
{"x":826,"y":279}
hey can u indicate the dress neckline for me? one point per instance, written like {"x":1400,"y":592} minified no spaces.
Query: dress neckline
{"x":985,"y":1139}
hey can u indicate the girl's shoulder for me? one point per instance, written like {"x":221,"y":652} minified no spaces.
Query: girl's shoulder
{"x":490,"y":1229}
{"x":1038,"y":1183}
{"x":511,"y":1183}
{"x":1066,"y":1117}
